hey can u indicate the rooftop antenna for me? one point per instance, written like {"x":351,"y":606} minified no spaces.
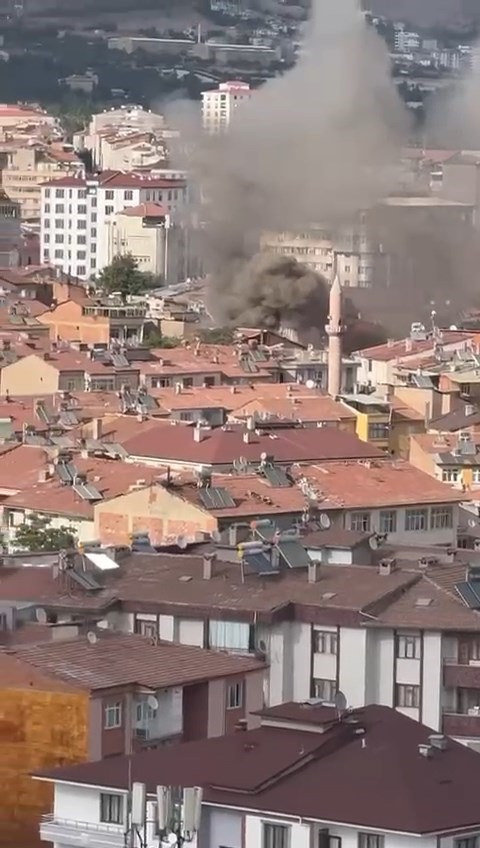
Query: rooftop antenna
{"x":340,"y":704}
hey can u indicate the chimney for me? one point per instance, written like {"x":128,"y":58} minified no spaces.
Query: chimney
{"x":251,"y":423}
{"x":178,"y":388}
{"x":314,"y":572}
{"x":241,"y":725}
{"x":275,"y":557}
{"x":198,"y":433}
{"x":233,"y":535}
{"x":247,"y":437}
{"x":425,"y":750}
{"x":233,"y":390}
{"x":43,"y":475}
{"x":97,"y":429}
{"x":438,"y":741}
{"x":208,"y":565}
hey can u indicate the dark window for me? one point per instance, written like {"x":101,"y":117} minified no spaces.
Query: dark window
{"x":113,"y":716}
{"x":276,"y":835}
{"x":370,"y":840}
{"x":408,"y":647}
{"x":326,"y":642}
{"x":109,"y":195}
{"x":360,"y":521}
{"x":111,"y":808}
{"x":388,"y":521}
{"x":324,"y":689}
{"x":128,"y":195}
{"x":187,"y":382}
{"x":407,"y":696}
{"x":378,"y":430}
{"x":235,"y":695}
{"x":416,"y":519}
{"x":441,"y":518}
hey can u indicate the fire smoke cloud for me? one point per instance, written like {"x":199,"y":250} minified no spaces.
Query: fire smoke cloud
{"x":315,"y":145}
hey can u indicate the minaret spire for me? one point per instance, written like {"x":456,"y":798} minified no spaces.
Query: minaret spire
{"x":335,"y":331}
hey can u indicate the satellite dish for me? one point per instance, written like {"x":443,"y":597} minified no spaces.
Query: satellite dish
{"x":152,"y":702}
{"x":262,"y":646}
{"x":373,"y":542}
{"x":472,"y":522}
{"x":310,"y":384}
{"x":325,"y":522}
{"x":92,"y":637}
{"x":340,"y":702}
{"x":182,"y":542}
{"x":263,"y":456}
{"x":172,"y":839}
{"x":41,"y":615}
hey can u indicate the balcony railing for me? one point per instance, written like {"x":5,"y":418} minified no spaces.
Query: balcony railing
{"x":55,"y":829}
{"x":463,"y":675}
{"x":461,"y":724}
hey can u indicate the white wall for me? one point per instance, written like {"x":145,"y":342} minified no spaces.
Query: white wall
{"x":301,"y":636}
{"x":352,"y":656}
{"x":384,"y":668}
{"x":166,"y":627}
{"x":432,"y":680}
{"x":77,"y":803}
{"x":253,"y":832}
{"x":280,"y":681}
{"x":189,"y":631}
{"x":225,"y":829}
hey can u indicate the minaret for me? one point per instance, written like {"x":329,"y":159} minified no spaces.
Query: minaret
{"x":334,"y":330}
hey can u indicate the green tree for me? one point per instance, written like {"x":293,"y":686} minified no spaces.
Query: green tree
{"x":37,"y":534}
{"x":123,"y":276}
{"x":155,"y":339}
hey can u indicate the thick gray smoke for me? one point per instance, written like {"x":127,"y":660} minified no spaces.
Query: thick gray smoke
{"x":453,"y":118}
{"x":315,"y":145}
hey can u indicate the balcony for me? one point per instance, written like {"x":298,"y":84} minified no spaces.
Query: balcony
{"x":465,"y":676}
{"x":72,"y":832}
{"x":461,"y":724}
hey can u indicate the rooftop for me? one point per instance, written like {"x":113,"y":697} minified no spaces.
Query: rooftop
{"x":378,"y":780}
{"x":120,"y":660}
{"x":145,"y":210}
{"x":410,"y":347}
{"x":117,"y":179}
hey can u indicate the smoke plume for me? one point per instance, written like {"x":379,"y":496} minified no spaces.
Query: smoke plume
{"x":315,"y":145}
{"x":453,"y":117}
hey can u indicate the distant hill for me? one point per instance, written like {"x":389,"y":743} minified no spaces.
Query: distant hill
{"x":452,"y":13}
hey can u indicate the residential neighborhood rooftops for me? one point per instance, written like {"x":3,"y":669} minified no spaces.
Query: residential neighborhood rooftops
{"x":115,"y":660}
{"x":411,"y":347}
{"x":377,"y":780}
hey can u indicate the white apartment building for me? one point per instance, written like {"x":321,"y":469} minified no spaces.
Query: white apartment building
{"x":124,"y":139}
{"x":75,"y":211}
{"x":347,"y":253}
{"x":307,"y":777}
{"x":220,"y":105}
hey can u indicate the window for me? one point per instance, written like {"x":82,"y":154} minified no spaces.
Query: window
{"x":235,"y":695}
{"x":111,"y":808}
{"x":387,"y":521}
{"x":408,"y":647}
{"x":82,"y":225}
{"x":325,"y":642}
{"x":81,"y":254}
{"x":230,"y":636}
{"x":113,"y":716}
{"x":378,"y":430}
{"x":58,"y":254}
{"x":146,"y":628}
{"x":450,"y":475}
{"x":476,"y":475}
{"x":370,"y":840}
{"x":81,"y":270}
{"x":46,"y":209}
{"x":441,"y":518}
{"x":59,"y":238}
{"x":93,"y":262}
{"x":59,"y":192}
{"x":468,"y":842}
{"x":47,"y":192}
{"x":93,"y":232}
{"x":81,"y":194}
{"x":275,"y":835}
{"x":46,"y":223}
{"x":81,"y":239}
{"x":208,"y":382}
{"x":324,"y":689}
{"x":82,"y":209}
{"x":407,"y":696}
{"x":187,"y":382}
{"x":59,"y":224}
{"x":109,"y":195}
{"x":128,"y":195}
{"x":108,"y":210}
{"x":416,"y":519}
{"x":360,"y":521}
{"x":59,"y":209}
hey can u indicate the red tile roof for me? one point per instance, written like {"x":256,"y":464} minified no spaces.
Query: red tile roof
{"x":118,"y":179}
{"x":145,"y":210}
{"x":221,"y":446}
{"x":20,"y":466}
{"x":120,"y":660}
{"x":379,"y":781}
{"x":409,"y":347}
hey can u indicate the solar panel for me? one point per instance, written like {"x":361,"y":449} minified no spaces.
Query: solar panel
{"x":468,"y":448}
{"x":85,"y":580}
{"x":147,"y":401}
{"x":470,"y":594}
{"x":87,"y":492}
{"x":258,"y":355}
{"x":68,"y":419}
{"x":119,"y":360}
{"x":422,"y":381}
{"x":114,"y":449}
{"x":276,"y":477}
{"x":294,"y":554}
{"x":216,"y":498}
{"x":42,"y":413}
{"x":247,"y":364}
{"x":260,"y":563}
{"x":62,"y":472}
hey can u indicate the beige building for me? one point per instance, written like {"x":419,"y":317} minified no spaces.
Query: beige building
{"x":146,"y":231}
{"x":347,"y":252}
{"x":14,"y":115}
{"x":220,"y":105}
{"x":28,"y":167}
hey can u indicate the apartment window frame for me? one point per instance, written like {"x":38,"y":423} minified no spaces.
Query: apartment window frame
{"x":387,"y":521}
{"x":378,"y":430}
{"x":467,"y":842}
{"x":112,"y":716}
{"x":325,"y":642}
{"x":407,"y":696}
{"x":371,"y":840}
{"x":416,"y":520}
{"x":441,"y":517}
{"x":450,"y":475}
{"x":128,"y":194}
{"x":325,"y":689}
{"x":109,"y":194}
{"x":109,"y":210}
{"x":276,"y":835}
{"x":408,"y":646}
{"x":111,"y":808}
{"x":361,"y":521}
{"x":235,"y":695}
{"x":59,"y":192}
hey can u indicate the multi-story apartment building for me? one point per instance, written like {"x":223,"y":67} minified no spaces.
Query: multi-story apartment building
{"x":147,"y":233}
{"x":75,"y":210}
{"x":28,"y":166}
{"x":124,"y":139}
{"x":307,"y":776}
{"x":347,"y":253}
{"x":10,"y":232}
{"x":219,"y":106}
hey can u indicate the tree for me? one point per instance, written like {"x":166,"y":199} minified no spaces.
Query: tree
{"x":155,"y":339}
{"x":37,"y":534}
{"x":123,"y":276}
